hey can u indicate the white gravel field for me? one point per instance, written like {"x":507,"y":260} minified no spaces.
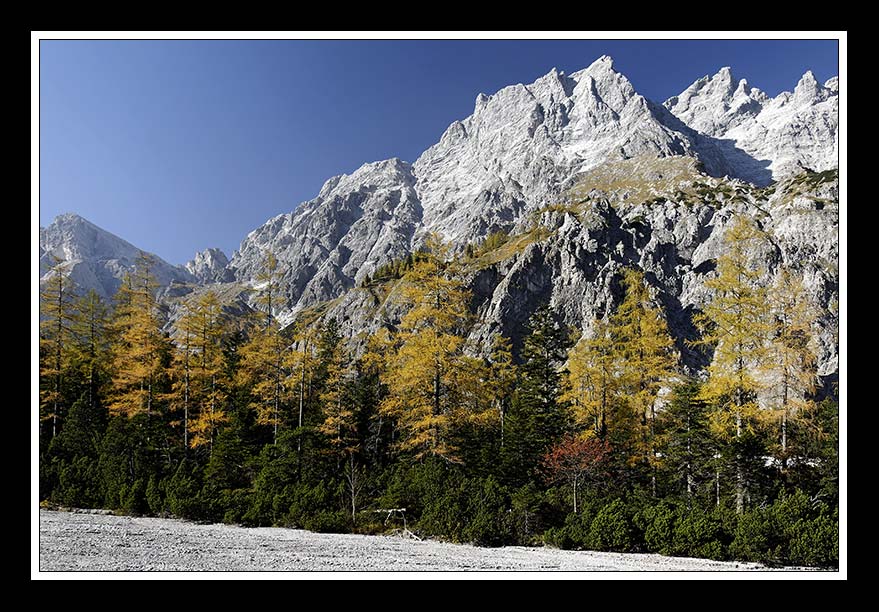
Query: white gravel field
{"x":94,"y":542}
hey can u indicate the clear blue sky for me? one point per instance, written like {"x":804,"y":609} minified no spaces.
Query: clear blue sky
{"x":176,"y":146}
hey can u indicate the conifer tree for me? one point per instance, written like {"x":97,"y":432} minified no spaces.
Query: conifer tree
{"x":181,"y":396}
{"x":371,"y":370}
{"x":339,"y":424}
{"x":791,"y":369}
{"x":262,"y":356}
{"x":645,"y":352}
{"x":592,"y":382}
{"x":300,"y":364}
{"x":424,"y":373}
{"x":91,"y":343}
{"x":139,"y":343}
{"x":735,"y":322}
{"x":540,"y":414}
{"x":56,"y":316}
{"x":200,"y":384}
{"x":685,"y":441}
{"x":268,"y":279}
{"x":502,"y":378}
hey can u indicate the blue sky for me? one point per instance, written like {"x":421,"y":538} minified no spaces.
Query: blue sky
{"x":177,"y":146}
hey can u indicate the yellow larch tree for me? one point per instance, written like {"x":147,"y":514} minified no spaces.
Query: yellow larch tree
{"x":424,"y":374}
{"x":646,"y":354}
{"x":262,"y":356}
{"x":139,"y":342}
{"x":299,"y":364}
{"x":736,"y":324}
{"x":591,"y":383}
{"x":199,"y":383}
{"x":792,"y":367}
{"x":56,"y":316}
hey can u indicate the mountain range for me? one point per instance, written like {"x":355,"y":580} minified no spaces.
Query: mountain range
{"x":580,"y":173}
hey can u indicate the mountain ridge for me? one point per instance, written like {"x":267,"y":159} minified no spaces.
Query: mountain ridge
{"x":527,"y":147}
{"x":520,"y":149}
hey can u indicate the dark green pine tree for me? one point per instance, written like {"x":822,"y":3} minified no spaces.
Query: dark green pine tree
{"x":686,"y":447}
{"x":537,"y":416}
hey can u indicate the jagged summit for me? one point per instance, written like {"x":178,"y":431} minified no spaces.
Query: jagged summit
{"x":210,"y":266}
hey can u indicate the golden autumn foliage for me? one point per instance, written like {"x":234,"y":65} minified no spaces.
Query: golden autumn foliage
{"x":56,"y":314}
{"x":139,"y":342}
{"x":736,"y":323}
{"x":199,"y":384}
{"x":262,"y":366}
{"x":591,"y":384}
{"x":646,"y":356}
{"x":791,"y":370}
{"x":615,"y":374}
{"x":432,"y":385}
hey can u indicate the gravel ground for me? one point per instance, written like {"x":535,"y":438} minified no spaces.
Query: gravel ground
{"x":94,"y":542}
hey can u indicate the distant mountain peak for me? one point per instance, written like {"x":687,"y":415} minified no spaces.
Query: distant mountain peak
{"x":210,"y":266}
{"x":93,"y":257}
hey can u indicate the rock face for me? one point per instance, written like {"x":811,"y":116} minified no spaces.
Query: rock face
{"x":519,"y":151}
{"x":674,"y":232}
{"x":210,"y":266}
{"x":94,"y":258}
{"x":356,"y":223}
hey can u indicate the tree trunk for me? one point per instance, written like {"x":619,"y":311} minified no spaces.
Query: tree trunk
{"x":93,"y":350}
{"x":436,"y":400}
{"x":211,"y":422}
{"x":653,"y":449}
{"x":58,"y":342}
{"x":689,"y":465}
{"x":186,"y":403}
{"x":276,"y":416}
{"x":784,"y":423}
{"x":301,"y":399}
{"x":352,"y":482}
{"x":740,"y":475}
{"x":501,"y":406}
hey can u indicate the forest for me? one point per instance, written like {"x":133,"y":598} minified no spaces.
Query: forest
{"x":600,"y":441}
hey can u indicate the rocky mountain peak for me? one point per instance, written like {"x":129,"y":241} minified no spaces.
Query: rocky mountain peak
{"x":808,"y":89}
{"x":94,"y":258}
{"x":713,"y":105}
{"x":210,"y":266}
